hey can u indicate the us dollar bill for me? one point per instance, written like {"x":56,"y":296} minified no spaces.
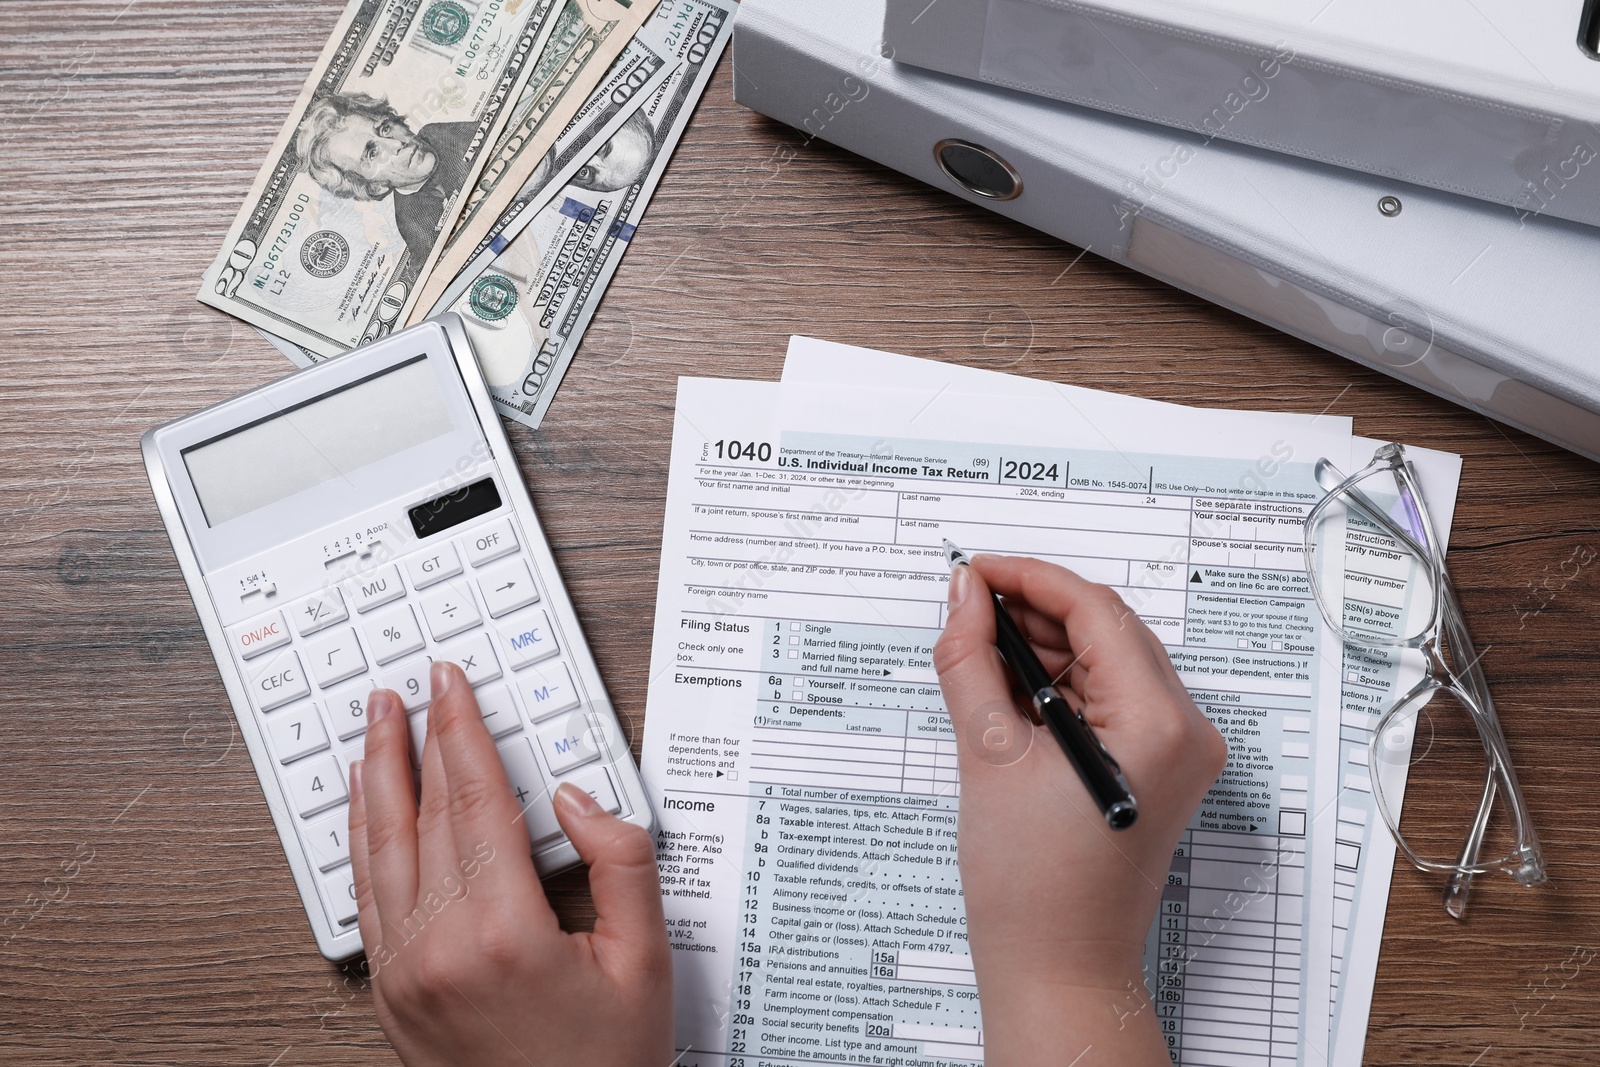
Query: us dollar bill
{"x":634,"y":78}
{"x":362,"y":184}
{"x":526,"y":307}
{"x":588,"y":37}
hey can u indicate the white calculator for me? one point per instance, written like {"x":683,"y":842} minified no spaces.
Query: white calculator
{"x":342,"y":528}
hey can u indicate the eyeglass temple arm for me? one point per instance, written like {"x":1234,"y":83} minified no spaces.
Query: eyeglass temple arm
{"x":1469,"y":670}
{"x":1376,"y":514}
{"x":1459,"y":883}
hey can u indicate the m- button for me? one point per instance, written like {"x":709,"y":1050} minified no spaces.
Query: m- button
{"x":261,"y":634}
{"x":490,"y":542}
{"x":435,"y":565}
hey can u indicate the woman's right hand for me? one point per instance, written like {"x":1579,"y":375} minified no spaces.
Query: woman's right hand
{"x":1058,"y":904}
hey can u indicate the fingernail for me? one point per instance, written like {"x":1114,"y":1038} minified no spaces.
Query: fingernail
{"x":355,"y":781}
{"x":378,"y":705}
{"x":960,"y":584}
{"x":576,"y":801}
{"x":442,"y":677}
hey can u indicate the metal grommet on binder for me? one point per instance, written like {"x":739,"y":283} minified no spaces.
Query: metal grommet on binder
{"x":979,"y":170}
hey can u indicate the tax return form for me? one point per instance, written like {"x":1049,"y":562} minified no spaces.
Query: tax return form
{"x":808,"y":798}
{"x":1364,"y":853}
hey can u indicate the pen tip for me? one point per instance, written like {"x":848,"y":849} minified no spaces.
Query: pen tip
{"x":953,"y":556}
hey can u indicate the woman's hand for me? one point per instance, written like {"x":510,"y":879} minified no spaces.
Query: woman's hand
{"x":469,"y":964}
{"x":1058,"y":904}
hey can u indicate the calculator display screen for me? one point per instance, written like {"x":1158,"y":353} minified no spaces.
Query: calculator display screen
{"x":317,"y":441}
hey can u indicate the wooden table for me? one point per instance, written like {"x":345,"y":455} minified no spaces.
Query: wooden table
{"x":131,"y":132}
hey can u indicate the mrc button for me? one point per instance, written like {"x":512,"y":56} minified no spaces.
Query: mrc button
{"x":529,"y":639}
{"x":261,"y":634}
{"x":490,"y":542}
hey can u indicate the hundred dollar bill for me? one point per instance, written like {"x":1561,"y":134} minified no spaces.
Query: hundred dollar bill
{"x":633,"y":79}
{"x":363,"y":181}
{"x":298,"y":355}
{"x":526,"y":309}
{"x":588,"y":37}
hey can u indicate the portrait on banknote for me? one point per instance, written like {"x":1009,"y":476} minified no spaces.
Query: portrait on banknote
{"x":357,"y":146}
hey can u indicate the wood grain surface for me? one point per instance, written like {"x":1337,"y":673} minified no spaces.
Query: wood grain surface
{"x":131,"y":131}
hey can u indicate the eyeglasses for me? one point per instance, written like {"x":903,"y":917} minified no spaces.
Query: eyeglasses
{"x":1372,"y":530}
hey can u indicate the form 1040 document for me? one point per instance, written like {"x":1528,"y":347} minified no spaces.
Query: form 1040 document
{"x":804,"y":768}
{"x":1363,"y":856}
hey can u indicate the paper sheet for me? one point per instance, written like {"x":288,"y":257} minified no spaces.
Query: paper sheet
{"x":1364,"y":853}
{"x":725,"y":514}
{"x":1219,"y":951}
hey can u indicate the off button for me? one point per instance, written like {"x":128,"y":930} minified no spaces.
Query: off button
{"x":490,"y":542}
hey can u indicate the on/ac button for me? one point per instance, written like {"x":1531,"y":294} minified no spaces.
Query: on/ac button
{"x":261,"y":634}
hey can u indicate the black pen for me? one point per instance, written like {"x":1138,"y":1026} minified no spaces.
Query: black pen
{"x":1100,"y":773}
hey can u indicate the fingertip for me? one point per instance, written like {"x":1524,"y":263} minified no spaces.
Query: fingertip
{"x":380,"y":704}
{"x":443,"y":677}
{"x":969,"y":601}
{"x":623,"y":877}
{"x":574,"y":803}
{"x":960,"y":585}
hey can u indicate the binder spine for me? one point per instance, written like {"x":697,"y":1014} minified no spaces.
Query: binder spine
{"x":824,"y":69}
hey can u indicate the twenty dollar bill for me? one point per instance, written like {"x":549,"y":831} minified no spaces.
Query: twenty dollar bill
{"x":364,"y":181}
{"x":633,"y":79}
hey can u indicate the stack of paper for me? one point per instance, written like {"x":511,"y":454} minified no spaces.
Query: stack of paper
{"x":805,"y":768}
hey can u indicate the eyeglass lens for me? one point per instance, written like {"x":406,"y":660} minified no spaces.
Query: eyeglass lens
{"x":1389,"y":594}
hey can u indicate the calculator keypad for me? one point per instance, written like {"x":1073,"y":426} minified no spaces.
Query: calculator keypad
{"x":410,"y":680}
{"x":490,"y":542}
{"x":499,"y":711}
{"x":347,"y":709}
{"x":328,"y":838}
{"x":486,"y":616}
{"x":547,"y":690}
{"x":475,"y":655}
{"x":297,"y":732}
